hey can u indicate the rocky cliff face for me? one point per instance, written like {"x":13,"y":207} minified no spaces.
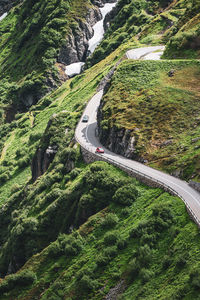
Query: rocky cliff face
{"x":6,"y":5}
{"x":76,"y":46}
{"x":118,"y":140}
{"x":44,"y":154}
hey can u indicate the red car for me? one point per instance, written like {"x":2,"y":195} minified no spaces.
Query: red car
{"x":99,"y":150}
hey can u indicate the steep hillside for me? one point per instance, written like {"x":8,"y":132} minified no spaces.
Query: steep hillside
{"x":151,"y":113}
{"x":74,"y":231}
{"x":33,"y":38}
{"x":137,"y":247}
{"x":184,"y":39}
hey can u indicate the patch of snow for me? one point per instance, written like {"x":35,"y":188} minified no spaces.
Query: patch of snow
{"x":98,"y":27}
{"x":74,"y":68}
{"x":145,"y":53}
{"x":3,"y":16}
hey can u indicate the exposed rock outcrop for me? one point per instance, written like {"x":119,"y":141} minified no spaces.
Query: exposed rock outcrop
{"x":119,"y":140}
{"x":42,"y":160}
{"x":76,"y":46}
{"x":195,"y":185}
{"x":6,"y":5}
{"x":110,"y":16}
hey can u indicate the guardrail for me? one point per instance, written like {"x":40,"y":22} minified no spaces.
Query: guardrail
{"x":141,"y":175}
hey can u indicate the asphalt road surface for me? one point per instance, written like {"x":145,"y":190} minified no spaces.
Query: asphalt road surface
{"x":86,"y":136}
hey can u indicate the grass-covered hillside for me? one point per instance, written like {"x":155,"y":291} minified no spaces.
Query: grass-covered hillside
{"x":74,"y":231}
{"x":141,"y":246}
{"x":184,"y":38}
{"x":158,"y":102}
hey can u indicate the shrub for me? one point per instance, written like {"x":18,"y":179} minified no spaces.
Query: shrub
{"x":146,"y":275}
{"x":23,"y":278}
{"x":53,"y":195}
{"x":126,"y":195}
{"x":111,"y":238}
{"x":195,"y":279}
{"x":72,"y":244}
{"x":82,"y":272}
{"x":55,"y":250}
{"x":166,"y":262}
{"x":86,"y":284}
{"x":164,"y":212}
{"x":144,"y":254}
{"x":181,"y":261}
{"x":4,"y":177}
{"x":23,"y":162}
{"x":110,"y":251}
{"x":102,"y":260}
{"x":122,"y":244}
{"x":133,"y":268}
{"x":86,"y":200}
{"x":125,"y":211}
{"x":15,"y":188}
{"x":34,"y":137}
{"x":110,"y":220}
{"x":148,"y":238}
{"x":75,"y":172}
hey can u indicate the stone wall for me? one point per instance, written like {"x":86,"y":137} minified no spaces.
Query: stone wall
{"x":195,"y":185}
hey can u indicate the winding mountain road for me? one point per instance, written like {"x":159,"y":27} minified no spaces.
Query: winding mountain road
{"x":86,"y":136}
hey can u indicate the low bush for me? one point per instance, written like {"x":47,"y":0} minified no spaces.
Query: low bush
{"x":21,"y":279}
{"x":72,"y":244}
{"x":144,"y":254}
{"x":4,"y":177}
{"x":110,"y":251}
{"x":111,"y":238}
{"x":23,"y":162}
{"x":133,"y":268}
{"x":195,"y":279}
{"x":110,"y":220}
{"x":34,"y":137}
{"x":122,"y":244}
{"x":167,"y":261}
{"x":74,"y":173}
{"x":146,"y":275}
{"x":87,"y":284}
{"x":55,"y":250}
{"x":102,"y":260}
{"x":126,"y":195}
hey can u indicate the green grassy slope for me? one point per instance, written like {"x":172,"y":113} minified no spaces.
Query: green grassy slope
{"x":150,"y":248}
{"x":78,"y":231}
{"x":183,"y":39}
{"x":162,"y":112}
{"x":20,"y":139}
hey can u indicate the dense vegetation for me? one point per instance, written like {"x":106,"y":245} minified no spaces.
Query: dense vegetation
{"x":146,"y":248}
{"x":93,"y":232}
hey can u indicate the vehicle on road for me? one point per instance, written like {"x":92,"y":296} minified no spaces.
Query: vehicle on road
{"x":99,"y":150}
{"x":85,"y":118}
